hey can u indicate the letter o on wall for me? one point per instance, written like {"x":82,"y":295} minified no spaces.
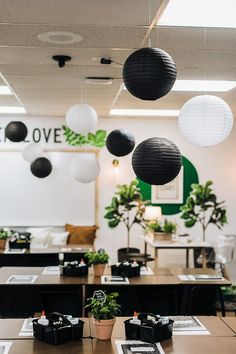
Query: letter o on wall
{"x":36,"y":135}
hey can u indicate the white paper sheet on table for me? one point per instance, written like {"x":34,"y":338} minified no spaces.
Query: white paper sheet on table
{"x":15,"y":250}
{"x":51,"y":270}
{"x":146,"y":271}
{"x":119,"y":344}
{"x":188,"y":325}
{"x":27,"y":328}
{"x":199,"y":277}
{"x":111,"y":279}
{"x":21,"y":279}
{"x":5,"y":347}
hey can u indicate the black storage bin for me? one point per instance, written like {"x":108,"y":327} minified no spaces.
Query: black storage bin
{"x":75,"y":271}
{"x":148,"y":331}
{"x":125,"y":270}
{"x":57,"y":333}
{"x":20,"y":240}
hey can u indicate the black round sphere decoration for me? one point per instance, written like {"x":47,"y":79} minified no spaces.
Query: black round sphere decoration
{"x":41,"y":167}
{"x":16,"y":131}
{"x":120,"y":142}
{"x":156,"y":161}
{"x":149,"y":73}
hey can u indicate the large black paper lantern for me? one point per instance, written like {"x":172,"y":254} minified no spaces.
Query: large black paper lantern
{"x":41,"y":167}
{"x":149,"y":73}
{"x":16,"y":131}
{"x":120,"y":142}
{"x":156,"y":161}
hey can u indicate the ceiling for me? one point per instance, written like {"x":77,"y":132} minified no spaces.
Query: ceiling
{"x":111,"y":29}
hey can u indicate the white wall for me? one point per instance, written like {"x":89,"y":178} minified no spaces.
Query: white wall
{"x":216,"y":163}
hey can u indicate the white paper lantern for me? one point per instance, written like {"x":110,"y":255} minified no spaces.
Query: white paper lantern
{"x":31,"y":152}
{"x":81,"y":118}
{"x":205,"y":120}
{"x":85,"y":168}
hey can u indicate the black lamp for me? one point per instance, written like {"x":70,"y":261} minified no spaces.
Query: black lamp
{"x":156,"y":161}
{"x":41,"y":167}
{"x":120,"y":142}
{"x":16,"y":131}
{"x":149,"y":73}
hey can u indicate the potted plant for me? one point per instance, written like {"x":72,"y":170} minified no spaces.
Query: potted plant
{"x":202,"y":206}
{"x":127,"y":207}
{"x":103,"y":307}
{"x":161,"y":231}
{"x":98,"y":259}
{"x":5,"y":233}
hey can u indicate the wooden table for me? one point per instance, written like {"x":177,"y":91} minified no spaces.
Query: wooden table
{"x":160,"y":293}
{"x":42,"y":257}
{"x":221,"y":340}
{"x":175,"y":245}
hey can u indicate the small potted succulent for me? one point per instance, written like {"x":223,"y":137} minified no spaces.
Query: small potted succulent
{"x":98,"y":259}
{"x":161,"y":231}
{"x":103,"y":308}
{"x":5,"y":233}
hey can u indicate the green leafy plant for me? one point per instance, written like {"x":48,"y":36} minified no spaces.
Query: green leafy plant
{"x":127,"y":206}
{"x":97,"y":140}
{"x":168,"y":226}
{"x":202,"y":206}
{"x":104,"y":310}
{"x":99,"y":257}
{"x":5,"y":233}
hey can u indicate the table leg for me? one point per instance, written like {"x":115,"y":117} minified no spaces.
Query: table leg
{"x":187,"y":257}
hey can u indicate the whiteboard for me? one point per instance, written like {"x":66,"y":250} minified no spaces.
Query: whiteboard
{"x":26,"y":200}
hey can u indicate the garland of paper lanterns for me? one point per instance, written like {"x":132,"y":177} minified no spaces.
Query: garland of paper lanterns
{"x":120,"y":142}
{"x":41,"y":167}
{"x":16,"y":131}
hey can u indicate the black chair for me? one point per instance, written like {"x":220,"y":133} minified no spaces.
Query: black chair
{"x":210,"y":255}
{"x":200,"y":300}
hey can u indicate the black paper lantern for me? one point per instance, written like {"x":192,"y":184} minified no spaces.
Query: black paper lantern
{"x":41,"y":167}
{"x":156,"y":161}
{"x":16,"y":131}
{"x":149,"y":73}
{"x":120,"y":142}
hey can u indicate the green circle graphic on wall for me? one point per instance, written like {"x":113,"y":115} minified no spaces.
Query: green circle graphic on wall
{"x":173,"y":195}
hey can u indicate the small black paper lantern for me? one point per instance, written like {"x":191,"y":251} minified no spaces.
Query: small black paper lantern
{"x":156,"y":161}
{"x":120,"y":142}
{"x":16,"y":131}
{"x":41,"y":167}
{"x":149,"y":73}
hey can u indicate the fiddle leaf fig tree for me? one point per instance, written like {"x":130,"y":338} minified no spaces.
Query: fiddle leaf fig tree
{"x":127,"y":206}
{"x":202,"y":206}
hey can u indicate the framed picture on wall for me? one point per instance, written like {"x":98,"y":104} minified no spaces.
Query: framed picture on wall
{"x":169,"y":193}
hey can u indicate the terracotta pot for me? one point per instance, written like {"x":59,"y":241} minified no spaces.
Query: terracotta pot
{"x":2,"y":244}
{"x":98,"y":269}
{"x":162,"y":236}
{"x":104,"y":328}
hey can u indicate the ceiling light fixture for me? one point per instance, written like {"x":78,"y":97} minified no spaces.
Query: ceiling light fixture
{"x":4,"y":90}
{"x":99,"y":80}
{"x":145,"y":112}
{"x":60,"y":37}
{"x":203,"y":85}
{"x":11,"y":110}
{"x":199,"y":13}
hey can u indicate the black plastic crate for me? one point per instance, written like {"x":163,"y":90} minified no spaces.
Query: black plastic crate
{"x":59,"y":331}
{"x":124,"y":270}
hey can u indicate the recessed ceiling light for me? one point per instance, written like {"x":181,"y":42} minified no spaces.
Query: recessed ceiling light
{"x":203,"y":85}
{"x":60,"y":37}
{"x":99,"y":80}
{"x":199,"y":13}
{"x":5,"y":109}
{"x":4,"y":90}
{"x":145,"y":112}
